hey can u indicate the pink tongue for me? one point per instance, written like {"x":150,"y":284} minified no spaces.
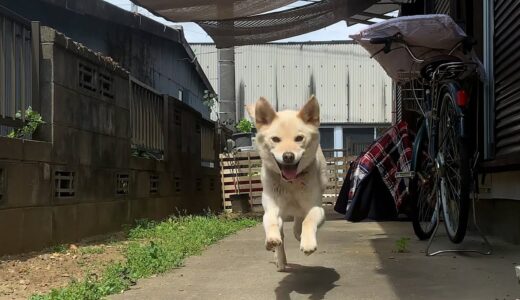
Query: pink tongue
{"x":290,"y":172}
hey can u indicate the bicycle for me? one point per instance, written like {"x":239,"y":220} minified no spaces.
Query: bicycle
{"x":441,"y":168}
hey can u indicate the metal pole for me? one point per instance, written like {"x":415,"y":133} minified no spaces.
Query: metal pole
{"x":226,"y":76}
{"x":489,"y":88}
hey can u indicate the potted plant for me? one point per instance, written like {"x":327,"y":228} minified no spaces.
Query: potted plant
{"x":244,"y":136}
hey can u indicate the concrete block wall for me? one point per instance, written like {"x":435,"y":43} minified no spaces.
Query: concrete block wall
{"x":89,"y":134}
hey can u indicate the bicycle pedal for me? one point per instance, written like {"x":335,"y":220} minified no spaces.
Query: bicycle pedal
{"x":408,"y":174}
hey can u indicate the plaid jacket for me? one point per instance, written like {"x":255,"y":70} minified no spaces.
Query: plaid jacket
{"x":390,"y":154}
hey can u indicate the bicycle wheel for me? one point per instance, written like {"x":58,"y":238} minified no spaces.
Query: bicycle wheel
{"x":454,"y":166}
{"x":423,"y":189}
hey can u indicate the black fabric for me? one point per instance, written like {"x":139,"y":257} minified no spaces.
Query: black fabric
{"x":372,"y":200}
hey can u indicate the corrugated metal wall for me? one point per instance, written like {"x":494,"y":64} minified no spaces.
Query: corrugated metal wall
{"x":507,"y":86}
{"x":351,"y":87}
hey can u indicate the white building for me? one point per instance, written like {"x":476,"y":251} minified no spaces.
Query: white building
{"x":354,"y":92}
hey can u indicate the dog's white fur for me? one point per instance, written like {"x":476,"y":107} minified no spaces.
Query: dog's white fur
{"x":301,"y":197}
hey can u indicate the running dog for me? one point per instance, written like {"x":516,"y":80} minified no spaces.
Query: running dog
{"x":293,"y":174}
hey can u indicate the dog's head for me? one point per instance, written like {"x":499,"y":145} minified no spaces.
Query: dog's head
{"x":287,"y":140}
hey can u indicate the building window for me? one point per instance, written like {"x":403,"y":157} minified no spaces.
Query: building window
{"x":181,"y":94}
{"x":106,"y":85}
{"x":154,"y":184}
{"x":63,"y":184}
{"x":87,"y":77}
{"x":327,"y":141}
{"x":357,"y":140}
{"x":122,"y":184}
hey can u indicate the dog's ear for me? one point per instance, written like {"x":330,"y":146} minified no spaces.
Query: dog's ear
{"x":310,"y":113}
{"x":264,"y":113}
{"x":250,"y":108}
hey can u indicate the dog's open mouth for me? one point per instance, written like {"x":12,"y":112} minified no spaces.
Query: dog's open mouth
{"x":289,"y":172}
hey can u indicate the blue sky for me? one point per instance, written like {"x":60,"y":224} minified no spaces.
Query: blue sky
{"x":195,"y":34}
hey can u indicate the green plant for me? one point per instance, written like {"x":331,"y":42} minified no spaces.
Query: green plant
{"x":244,"y":126}
{"x":402,"y":245}
{"x":92,"y":250}
{"x":210,"y":99}
{"x":58,"y":248}
{"x":153,"y":247}
{"x":32,"y":120}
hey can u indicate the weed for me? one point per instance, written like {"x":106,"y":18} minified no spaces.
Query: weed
{"x":59,"y":248}
{"x":402,"y":245}
{"x":92,"y":250}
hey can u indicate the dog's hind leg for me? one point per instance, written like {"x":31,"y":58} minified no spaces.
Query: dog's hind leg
{"x":279,"y":254}
{"x":297,"y":228}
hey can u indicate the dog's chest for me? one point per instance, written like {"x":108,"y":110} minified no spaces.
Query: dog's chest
{"x":292,"y":196}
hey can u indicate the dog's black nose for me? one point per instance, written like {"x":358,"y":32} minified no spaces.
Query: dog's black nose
{"x":288,"y":157}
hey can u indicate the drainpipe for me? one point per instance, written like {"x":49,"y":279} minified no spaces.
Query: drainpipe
{"x":226,"y":86}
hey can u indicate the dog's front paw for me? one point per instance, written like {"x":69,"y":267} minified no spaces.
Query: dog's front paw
{"x":272,"y":242}
{"x":308,"y":246}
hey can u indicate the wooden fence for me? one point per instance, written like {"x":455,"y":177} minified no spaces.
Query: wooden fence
{"x":240,"y":174}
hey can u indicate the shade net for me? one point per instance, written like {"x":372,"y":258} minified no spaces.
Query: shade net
{"x":284,"y":24}
{"x":203,"y":10}
{"x":244,"y":22}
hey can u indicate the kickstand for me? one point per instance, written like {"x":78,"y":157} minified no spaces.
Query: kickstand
{"x":489,"y":250}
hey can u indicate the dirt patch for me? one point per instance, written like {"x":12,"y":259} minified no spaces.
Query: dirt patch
{"x":38,"y":272}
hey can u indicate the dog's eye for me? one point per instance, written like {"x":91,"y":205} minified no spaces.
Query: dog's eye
{"x":275,"y":139}
{"x":298,"y":138}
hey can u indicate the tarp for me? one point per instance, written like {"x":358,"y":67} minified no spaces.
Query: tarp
{"x":429,"y":37}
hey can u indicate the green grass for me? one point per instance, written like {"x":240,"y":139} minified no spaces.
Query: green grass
{"x":91,"y":250}
{"x":154,"y":247}
{"x":58,"y":248}
{"x":401,"y":245}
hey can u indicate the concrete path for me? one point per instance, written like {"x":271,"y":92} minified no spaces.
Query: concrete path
{"x":353,"y":261}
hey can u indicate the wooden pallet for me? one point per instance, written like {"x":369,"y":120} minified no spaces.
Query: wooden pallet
{"x":240,"y":174}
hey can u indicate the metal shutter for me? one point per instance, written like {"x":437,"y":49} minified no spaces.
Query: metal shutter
{"x":507,"y":77}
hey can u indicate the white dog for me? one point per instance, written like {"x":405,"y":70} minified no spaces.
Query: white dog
{"x":293,"y":173}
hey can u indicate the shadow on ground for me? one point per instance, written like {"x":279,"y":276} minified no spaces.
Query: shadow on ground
{"x":314,"y":281}
{"x":413,"y":275}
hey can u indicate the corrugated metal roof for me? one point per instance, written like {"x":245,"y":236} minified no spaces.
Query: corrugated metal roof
{"x":351,"y":87}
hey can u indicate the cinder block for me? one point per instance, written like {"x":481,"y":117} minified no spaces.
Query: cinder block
{"x":140,"y":209}
{"x":37,"y":151}
{"x":26,"y":185}
{"x":122,"y":91}
{"x":65,"y":68}
{"x":85,"y":147}
{"x":11,"y":237}
{"x":142,"y":184}
{"x":111,"y":215}
{"x":122,"y":123}
{"x":65,"y":145}
{"x":67,"y":107}
{"x":65,"y":224}
{"x":37,"y":228}
{"x":87,"y":220}
{"x":11,"y":148}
